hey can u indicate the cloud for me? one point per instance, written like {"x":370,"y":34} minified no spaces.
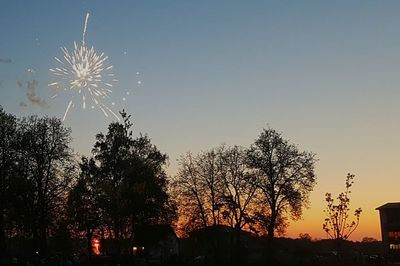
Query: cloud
{"x":23,"y":104}
{"x":31,"y":85}
{"x":34,"y":99}
{"x":5,"y":60}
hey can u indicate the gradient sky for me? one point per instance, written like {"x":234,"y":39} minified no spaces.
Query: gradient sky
{"x":324,"y":73}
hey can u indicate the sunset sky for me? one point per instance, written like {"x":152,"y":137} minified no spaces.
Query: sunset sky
{"x":195,"y":74}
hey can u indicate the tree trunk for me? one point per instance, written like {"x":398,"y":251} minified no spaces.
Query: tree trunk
{"x":2,"y":232}
{"x":42,"y":226}
{"x":117,"y":232}
{"x":3,"y":202}
{"x":42,"y":237}
{"x":89,"y":235}
{"x":35,"y":237}
{"x":271,"y":227}
{"x":339,"y":248}
{"x":41,"y":207}
{"x":237,"y":247}
{"x":132,"y":226}
{"x":270,"y":239}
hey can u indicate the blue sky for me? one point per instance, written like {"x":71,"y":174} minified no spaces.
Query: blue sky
{"x":323,"y":73}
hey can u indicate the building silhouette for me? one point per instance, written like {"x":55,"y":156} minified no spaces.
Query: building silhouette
{"x":390,"y":229}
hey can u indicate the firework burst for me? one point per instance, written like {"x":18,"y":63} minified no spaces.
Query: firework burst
{"x":85,"y":73}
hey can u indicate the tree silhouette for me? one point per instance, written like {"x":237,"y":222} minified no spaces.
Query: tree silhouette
{"x":337,"y":224}
{"x":131,"y":186}
{"x":82,"y":208}
{"x":285,"y":177}
{"x":214,"y":187}
{"x":239,"y":187}
{"x":199,"y":189}
{"x":305,"y":236}
{"x":45,"y":170}
{"x":368,"y":239}
{"x":8,"y":128}
{"x":239,"y":191}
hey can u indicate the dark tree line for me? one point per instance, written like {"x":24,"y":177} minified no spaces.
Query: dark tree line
{"x":257,"y":189}
{"x":46,"y":191}
{"x":7,"y":159}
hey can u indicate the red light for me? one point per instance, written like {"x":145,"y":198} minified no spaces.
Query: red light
{"x":96,"y":246}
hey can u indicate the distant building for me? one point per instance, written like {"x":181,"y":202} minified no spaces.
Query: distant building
{"x":390,"y":229}
{"x":158,"y":243}
{"x":216,"y":244}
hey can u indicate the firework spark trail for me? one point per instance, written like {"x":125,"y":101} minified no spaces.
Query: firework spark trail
{"x":66,"y":111}
{"x":84,"y":29}
{"x":85,"y":71}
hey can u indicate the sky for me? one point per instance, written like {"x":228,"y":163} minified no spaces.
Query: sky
{"x":196,"y":74}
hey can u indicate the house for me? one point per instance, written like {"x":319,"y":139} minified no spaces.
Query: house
{"x":155,"y":242}
{"x":218,"y":244}
{"x":390,"y":229}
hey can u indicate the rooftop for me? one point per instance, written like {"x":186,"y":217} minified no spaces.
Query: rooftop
{"x":390,"y":205}
{"x":152,"y":234}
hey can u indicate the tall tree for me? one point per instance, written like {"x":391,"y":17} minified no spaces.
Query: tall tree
{"x":210,"y":169}
{"x":198,"y":189}
{"x":111,"y":153}
{"x":285,"y":177}
{"x":132,"y":184}
{"x":239,"y":190}
{"x":146,"y":183}
{"x":8,"y":128}
{"x":46,"y":166}
{"x":187,"y":190}
{"x":239,"y":187}
{"x":214,"y":187}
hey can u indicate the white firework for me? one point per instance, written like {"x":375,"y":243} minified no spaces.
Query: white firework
{"x":85,"y":72}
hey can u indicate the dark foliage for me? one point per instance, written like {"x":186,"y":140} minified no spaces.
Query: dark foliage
{"x":123,"y":185}
{"x":36,"y":168}
{"x":285,"y":177}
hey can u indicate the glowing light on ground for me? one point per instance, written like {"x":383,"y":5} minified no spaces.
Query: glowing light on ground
{"x":85,"y":73}
{"x":96,"y":246}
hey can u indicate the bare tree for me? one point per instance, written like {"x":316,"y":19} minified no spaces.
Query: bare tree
{"x":214,"y":187}
{"x":337,"y":224}
{"x":238,"y":188}
{"x":285,"y":177}
{"x":210,"y":168}
{"x":197,"y":190}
